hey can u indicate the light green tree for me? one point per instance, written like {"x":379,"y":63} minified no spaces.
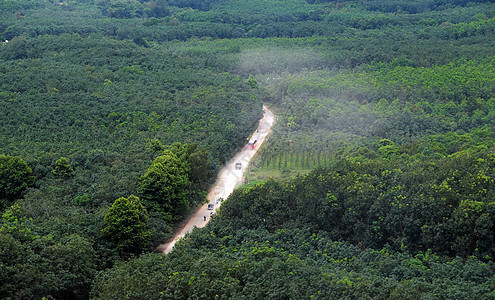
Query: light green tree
{"x":62,"y":168}
{"x":388,"y":148}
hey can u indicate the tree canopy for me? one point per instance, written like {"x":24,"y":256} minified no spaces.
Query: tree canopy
{"x":165,"y":185}
{"x":126,"y":225}
{"x":380,"y":160}
{"x":15,"y":178}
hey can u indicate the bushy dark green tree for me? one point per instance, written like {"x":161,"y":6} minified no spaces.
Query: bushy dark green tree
{"x":165,"y":185}
{"x":126,"y":225}
{"x":158,"y":8}
{"x":200,"y":169}
{"x":15,"y":177}
{"x":33,"y":265}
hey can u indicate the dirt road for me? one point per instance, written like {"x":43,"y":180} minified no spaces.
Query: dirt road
{"x":228,"y":179}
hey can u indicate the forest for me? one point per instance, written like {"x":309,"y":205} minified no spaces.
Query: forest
{"x":376,"y":183}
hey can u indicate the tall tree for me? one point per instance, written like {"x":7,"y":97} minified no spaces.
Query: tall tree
{"x":200,"y":169}
{"x":165,"y":185}
{"x":15,"y":177}
{"x":126,"y":224}
{"x":63,"y":169}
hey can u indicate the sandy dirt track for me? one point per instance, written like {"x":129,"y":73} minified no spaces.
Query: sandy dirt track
{"x":228,"y":179}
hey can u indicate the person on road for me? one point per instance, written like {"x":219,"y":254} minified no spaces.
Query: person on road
{"x":204,"y":217}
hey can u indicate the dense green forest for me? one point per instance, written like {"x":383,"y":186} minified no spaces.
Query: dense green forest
{"x":115,"y":116}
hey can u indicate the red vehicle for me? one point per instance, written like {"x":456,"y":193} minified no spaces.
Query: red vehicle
{"x":252,"y":143}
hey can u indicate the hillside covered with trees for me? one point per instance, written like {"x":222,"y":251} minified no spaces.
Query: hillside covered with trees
{"x":115,"y":116}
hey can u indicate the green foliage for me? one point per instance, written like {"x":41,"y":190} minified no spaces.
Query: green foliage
{"x":106,"y":84}
{"x":124,"y":277}
{"x":388,"y":149}
{"x":165,"y":186}
{"x":15,"y":178}
{"x":34,"y":264}
{"x":81,"y":200}
{"x":256,"y":245}
{"x":200,"y":168}
{"x":62,"y":168}
{"x":126,"y":225}
{"x":290,"y":264}
{"x":444,"y":204}
{"x":427,"y":112}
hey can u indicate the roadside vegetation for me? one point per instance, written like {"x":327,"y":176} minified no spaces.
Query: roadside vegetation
{"x":116,"y":115}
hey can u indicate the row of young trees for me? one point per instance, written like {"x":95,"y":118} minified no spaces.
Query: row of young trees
{"x":347,"y":113}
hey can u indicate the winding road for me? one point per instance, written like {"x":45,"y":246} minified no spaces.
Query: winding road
{"x":228,"y":179}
